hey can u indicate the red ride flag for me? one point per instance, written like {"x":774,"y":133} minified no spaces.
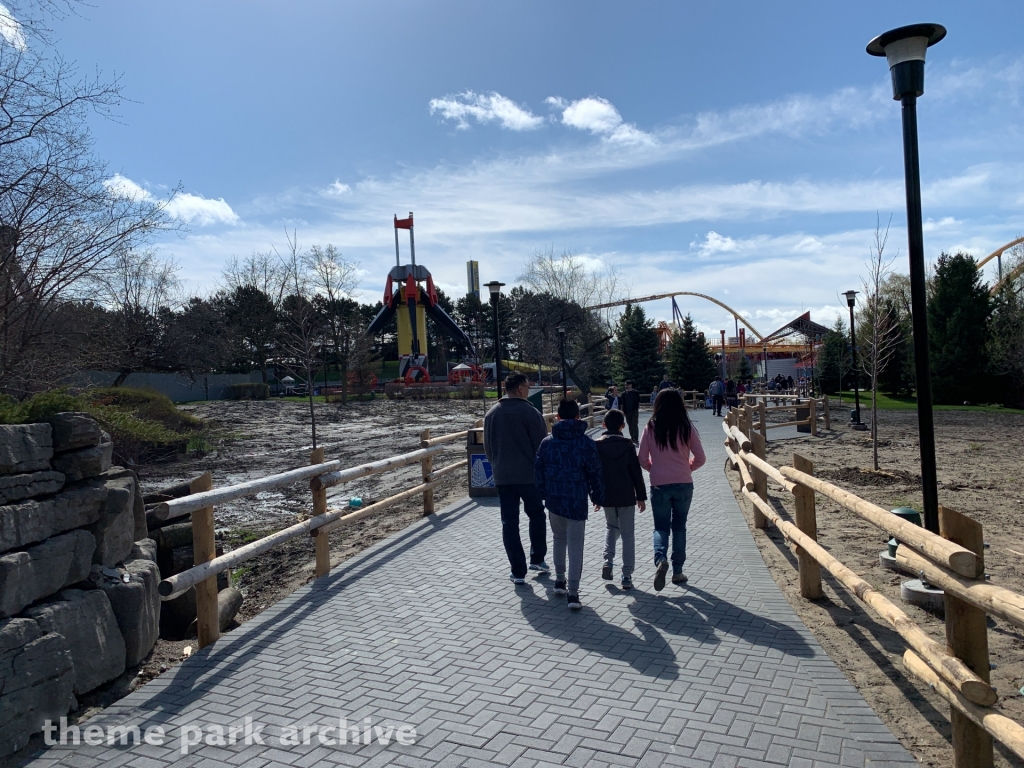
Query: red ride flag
{"x":403,"y":223}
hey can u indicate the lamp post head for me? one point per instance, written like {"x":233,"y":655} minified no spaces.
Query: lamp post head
{"x":904,"y":48}
{"x":851,"y":298}
{"x":494,"y":287}
{"x":561,"y":330}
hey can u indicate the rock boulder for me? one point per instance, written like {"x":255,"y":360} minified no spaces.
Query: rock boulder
{"x":36,"y":681}
{"x":86,"y":621}
{"x":73,"y":430}
{"x":29,"y":485}
{"x":136,"y":606}
{"x":31,"y":521}
{"x":84,"y":463}
{"x":115,"y":527}
{"x":25,"y":448}
{"x":41,"y":570}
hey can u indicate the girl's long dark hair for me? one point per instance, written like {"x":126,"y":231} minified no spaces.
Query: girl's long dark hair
{"x":670,"y":421}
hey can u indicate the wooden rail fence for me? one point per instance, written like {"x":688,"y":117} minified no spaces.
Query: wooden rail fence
{"x":953,"y":560}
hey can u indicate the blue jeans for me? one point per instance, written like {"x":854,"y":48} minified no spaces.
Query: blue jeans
{"x":670,"y":505}
{"x":533,"y":506}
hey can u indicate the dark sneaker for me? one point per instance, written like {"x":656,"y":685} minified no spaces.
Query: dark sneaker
{"x":659,"y":575}
{"x":679,"y":578}
{"x":606,"y":573}
{"x":573,"y":601}
{"x":560,"y":587}
{"x":627,"y":582}
{"x":516,"y":579}
{"x":541,"y":567}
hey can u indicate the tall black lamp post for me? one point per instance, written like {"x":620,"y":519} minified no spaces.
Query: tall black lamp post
{"x":561,"y":353}
{"x":495,"y":288}
{"x":855,"y":422}
{"x":905,"y":49}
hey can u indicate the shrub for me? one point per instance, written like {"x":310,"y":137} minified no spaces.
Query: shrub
{"x":248,"y":391}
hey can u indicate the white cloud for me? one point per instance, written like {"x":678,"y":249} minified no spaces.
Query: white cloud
{"x":191,"y":208}
{"x":601,"y":118}
{"x":484,"y":108}
{"x":714,"y":243}
{"x":10,"y":29}
{"x":337,"y":189}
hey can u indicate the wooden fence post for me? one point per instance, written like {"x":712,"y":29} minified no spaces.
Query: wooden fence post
{"x":321,"y":542}
{"x":204,"y":549}
{"x":427,"y":466}
{"x":828,"y":412}
{"x":760,"y":478}
{"x":762,"y":408}
{"x":806,"y":521}
{"x":967,"y":639}
{"x":813,"y":414}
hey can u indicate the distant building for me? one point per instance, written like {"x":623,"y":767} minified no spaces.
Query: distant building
{"x":473,"y":277}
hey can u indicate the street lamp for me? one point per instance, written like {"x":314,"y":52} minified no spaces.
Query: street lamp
{"x":851,"y":301}
{"x":561,"y":352}
{"x":495,"y":288}
{"x":905,"y":49}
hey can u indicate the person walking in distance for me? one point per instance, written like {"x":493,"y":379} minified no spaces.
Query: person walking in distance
{"x":665,"y":452}
{"x":666,"y":383}
{"x":623,"y":491}
{"x":630,"y":403}
{"x":513,"y":431}
{"x":717,"y":391}
{"x":568,"y":467}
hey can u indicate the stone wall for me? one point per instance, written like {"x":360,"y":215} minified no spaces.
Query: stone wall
{"x":78,"y":573}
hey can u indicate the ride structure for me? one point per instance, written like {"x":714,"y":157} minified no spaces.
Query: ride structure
{"x":410,"y":297}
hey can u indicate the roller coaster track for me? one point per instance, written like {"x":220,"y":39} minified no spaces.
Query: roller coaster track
{"x":642,"y":299}
{"x":1012,"y":274}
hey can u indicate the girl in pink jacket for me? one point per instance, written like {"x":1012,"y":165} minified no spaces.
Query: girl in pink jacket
{"x":670,"y":451}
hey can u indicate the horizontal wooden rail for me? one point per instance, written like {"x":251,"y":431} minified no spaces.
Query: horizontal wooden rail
{"x":451,"y":438}
{"x":801,"y":423}
{"x":951,"y":668}
{"x":331,"y":479}
{"x":1001,"y":727}
{"x":449,"y":469}
{"x":942,"y":551}
{"x":998,"y":601}
{"x":769,"y":469}
{"x":177,"y":507}
{"x":175,"y":585}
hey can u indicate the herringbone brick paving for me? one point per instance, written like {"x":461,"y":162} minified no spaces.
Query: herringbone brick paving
{"x":425,"y":630}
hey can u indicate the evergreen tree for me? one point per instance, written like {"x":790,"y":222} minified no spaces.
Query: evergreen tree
{"x":834,"y":359}
{"x":745,"y":372}
{"x":691,"y":363}
{"x":1006,"y":345}
{"x":958,"y":329}
{"x":897,"y":375}
{"x":636,"y":355}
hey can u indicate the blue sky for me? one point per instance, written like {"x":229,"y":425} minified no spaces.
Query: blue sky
{"x":735,"y":149}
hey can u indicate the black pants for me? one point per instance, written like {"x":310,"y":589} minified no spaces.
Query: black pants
{"x":719,"y":400}
{"x":533,"y":506}
{"x":631,"y":421}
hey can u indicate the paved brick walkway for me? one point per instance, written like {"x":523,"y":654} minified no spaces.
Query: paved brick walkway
{"x":424,"y":629}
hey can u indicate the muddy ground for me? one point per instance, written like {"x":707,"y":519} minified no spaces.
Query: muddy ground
{"x":979,"y":472}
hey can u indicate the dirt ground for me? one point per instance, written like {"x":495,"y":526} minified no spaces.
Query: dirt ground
{"x":979,"y":461}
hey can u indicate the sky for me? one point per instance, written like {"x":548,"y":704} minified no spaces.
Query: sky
{"x":744,"y":150}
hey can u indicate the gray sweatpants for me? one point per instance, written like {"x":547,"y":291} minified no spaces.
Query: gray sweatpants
{"x":567,"y":534}
{"x":621,"y":521}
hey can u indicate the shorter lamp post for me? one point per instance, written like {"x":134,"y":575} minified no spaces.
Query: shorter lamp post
{"x":495,"y":288}
{"x":561,"y":353}
{"x":851,"y":301}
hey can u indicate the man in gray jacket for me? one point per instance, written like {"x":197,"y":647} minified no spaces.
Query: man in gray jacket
{"x":513,"y":429}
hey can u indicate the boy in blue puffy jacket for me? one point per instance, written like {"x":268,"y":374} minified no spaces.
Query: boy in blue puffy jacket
{"x":568,"y":466}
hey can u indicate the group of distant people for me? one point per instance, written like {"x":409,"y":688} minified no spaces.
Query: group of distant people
{"x":567,"y":471}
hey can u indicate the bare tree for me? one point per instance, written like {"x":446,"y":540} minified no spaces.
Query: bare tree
{"x":570,"y":277}
{"x":877,"y":319}
{"x":62,"y":220}
{"x":335,"y":280}
{"x":302,"y":337}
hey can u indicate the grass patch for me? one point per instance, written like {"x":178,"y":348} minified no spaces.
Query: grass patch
{"x":246,"y":536}
{"x":888,"y":403}
{"x":144,"y":425}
